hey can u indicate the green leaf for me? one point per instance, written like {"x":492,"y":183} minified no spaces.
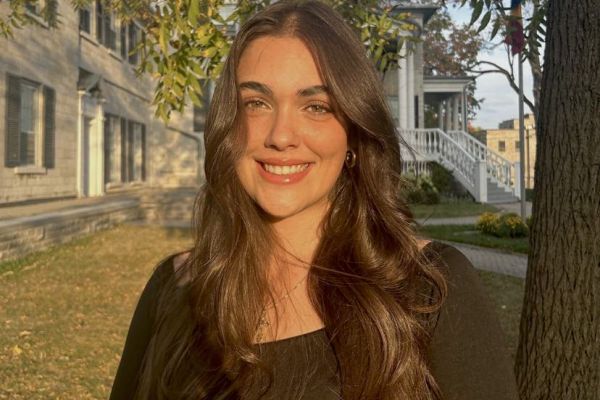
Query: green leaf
{"x":476,"y":12}
{"x":193,"y":12}
{"x":162,"y":38}
{"x":497,"y":24}
{"x":485,"y":21}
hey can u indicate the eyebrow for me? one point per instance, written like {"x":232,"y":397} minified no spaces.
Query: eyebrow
{"x":264,"y":89}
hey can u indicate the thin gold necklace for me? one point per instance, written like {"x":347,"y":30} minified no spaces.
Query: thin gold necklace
{"x":263,"y":322}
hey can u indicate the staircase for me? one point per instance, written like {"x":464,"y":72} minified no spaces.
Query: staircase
{"x":488,"y":176}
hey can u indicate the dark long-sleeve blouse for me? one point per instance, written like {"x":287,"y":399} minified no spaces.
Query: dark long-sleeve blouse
{"x":467,"y":350}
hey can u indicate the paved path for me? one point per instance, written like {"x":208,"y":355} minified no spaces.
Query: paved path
{"x":494,"y":260}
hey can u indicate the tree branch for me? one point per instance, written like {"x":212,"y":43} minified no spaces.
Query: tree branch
{"x":509,"y":77}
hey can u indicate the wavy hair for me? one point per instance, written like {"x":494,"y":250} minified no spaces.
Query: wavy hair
{"x":367,"y":277}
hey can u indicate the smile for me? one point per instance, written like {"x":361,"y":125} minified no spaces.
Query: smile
{"x":284,"y":169}
{"x":279,"y":174}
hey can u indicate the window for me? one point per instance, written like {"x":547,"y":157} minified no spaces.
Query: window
{"x":517,"y":145}
{"x":112,"y":147}
{"x":132,"y":41}
{"x":29,"y":124}
{"x":501,"y":146}
{"x":133,"y":151}
{"x":85,"y":20}
{"x":105,"y":27}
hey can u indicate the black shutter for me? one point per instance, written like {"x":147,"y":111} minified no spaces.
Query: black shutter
{"x":108,"y":138}
{"x":13,"y":121}
{"x":123,"y":150}
{"x":143,"y":152}
{"x":49,"y":127}
{"x":99,"y":21}
{"x":130,"y":152}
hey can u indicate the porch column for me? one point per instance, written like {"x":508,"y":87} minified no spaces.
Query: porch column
{"x":441,"y":115}
{"x":464,"y":122}
{"x":410,"y":74}
{"x":455,"y":100}
{"x":448,"y":125}
{"x":403,"y":90}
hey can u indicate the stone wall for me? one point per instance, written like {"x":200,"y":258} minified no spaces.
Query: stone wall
{"x":20,"y":236}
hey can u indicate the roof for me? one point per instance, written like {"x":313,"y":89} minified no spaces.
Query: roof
{"x":427,"y":10}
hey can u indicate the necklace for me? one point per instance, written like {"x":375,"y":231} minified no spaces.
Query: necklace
{"x":263,"y":321}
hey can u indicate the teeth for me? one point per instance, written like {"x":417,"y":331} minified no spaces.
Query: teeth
{"x":285,"y":169}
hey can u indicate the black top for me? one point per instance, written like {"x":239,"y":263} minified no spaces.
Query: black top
{"x":467,"y":351}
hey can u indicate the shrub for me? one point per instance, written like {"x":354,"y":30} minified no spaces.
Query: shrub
{"x":420,"y":190}
{"x":505,"y":226}
{"x":487,"y":223}
{"x":511,"y":225}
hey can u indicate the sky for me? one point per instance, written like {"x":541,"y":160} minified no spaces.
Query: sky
{"x":501,"y":102}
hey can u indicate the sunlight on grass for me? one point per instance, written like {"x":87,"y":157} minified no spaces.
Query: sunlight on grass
{"x":64,"y":312}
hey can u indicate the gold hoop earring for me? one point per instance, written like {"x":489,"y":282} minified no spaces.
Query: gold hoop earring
{"x":350,"y":159}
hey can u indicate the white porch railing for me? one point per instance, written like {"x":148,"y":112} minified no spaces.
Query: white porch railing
{"x":499,"y":169}
{"x":470,"y":161}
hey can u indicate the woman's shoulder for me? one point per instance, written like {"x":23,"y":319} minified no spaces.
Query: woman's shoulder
{"x":447,"y":254}
{"x":172,"y":266}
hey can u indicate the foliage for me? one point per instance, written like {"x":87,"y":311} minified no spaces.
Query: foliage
{"x":420,"y":190}
{"x":508,"y":225}
{"x":487,"y":223}
{"x":446,"y":184}
{"x":494,"y":17}
{"x":186,"y":41}
{"x":451,"y":50}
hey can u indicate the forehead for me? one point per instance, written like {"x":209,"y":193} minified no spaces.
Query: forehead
{"x":278,"y":62}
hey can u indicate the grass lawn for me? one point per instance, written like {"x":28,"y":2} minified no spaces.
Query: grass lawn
{"x":64,"y":312}
{"x":468,"y":234}
{"x":506,"y":292}
{"x":450,"y":209}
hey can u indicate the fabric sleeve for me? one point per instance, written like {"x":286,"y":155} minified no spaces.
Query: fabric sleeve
{"x":468,"y":355}
{"x":139,"y":335}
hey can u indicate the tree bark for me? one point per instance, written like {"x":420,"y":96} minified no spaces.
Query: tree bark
{"x":559,"y":348}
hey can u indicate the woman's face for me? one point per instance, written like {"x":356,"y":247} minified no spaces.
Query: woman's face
{"x":295,"y":144}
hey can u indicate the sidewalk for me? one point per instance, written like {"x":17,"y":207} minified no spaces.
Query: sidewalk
{"x":485,"y":258}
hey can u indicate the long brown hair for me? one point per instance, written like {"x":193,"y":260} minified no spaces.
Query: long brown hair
{"x":367,"y":270}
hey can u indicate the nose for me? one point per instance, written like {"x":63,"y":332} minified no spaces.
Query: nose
{"x":283,"y":133}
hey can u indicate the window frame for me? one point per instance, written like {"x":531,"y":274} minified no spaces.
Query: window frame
{"x":501,"y":146}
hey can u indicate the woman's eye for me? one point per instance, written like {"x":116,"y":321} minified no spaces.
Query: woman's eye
{"x":255,"y":104}
{"x":318,"y":108}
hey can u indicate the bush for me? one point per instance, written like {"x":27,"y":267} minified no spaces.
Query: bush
{"x":420,"y":190}
{"x":504,"y":226}
{"x":511,"y":225}
{"x":487,"y":223}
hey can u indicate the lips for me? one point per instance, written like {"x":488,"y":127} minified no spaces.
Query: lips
{"x":283,"y":171}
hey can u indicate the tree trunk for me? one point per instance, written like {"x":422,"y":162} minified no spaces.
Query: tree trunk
{"x":559,"y":348}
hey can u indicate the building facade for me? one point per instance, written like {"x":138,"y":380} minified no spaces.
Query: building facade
{"x":505,"y":141}
{"x":75,"y":119}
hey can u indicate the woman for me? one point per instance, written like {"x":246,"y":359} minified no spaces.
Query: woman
{"x":306,"y":279}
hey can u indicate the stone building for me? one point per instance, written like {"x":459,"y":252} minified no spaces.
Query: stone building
{"x":75,"y":120}
{"x":505,"y":141}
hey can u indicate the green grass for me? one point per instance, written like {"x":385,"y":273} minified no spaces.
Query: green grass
{"x":451,"y":209}
{"x":506,"y":292}
{"x":64,"y":312}
{"x":469,"y":235}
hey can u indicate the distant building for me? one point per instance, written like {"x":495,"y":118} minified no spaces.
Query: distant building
{"x":75,"y":120}
{"x":505,"y":141}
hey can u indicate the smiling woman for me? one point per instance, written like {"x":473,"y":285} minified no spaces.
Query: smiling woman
{"x":306,"y":280}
